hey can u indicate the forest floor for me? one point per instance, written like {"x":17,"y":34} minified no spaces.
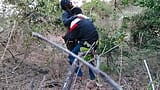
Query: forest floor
{"x":45,"y":68}
{"x":42,"y":68}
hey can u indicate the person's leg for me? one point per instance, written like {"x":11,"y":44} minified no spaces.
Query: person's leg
{"x":71,"y":59}
{"x":91,"y":73}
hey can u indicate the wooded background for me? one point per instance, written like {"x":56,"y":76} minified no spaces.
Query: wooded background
{"x":132,"y":25}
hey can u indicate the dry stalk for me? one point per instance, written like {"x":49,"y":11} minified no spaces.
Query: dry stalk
{"x":98,"y":61}
{"x":109,"y":50}
{"x":25,"y":56}
{"x":141,"y":38}
{"x":8,"y":50}
{"x":13,"y":28}
{"x":128,"y":86}
{"x":120,"y":72}
{"x":42,"y":82}
{"x":149,"y":74}
{"x":31,"y":85}
{"x":70,"y":74}
{"x":98,"y":57}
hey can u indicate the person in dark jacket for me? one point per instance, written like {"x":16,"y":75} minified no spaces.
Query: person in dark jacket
{"x":80,"y":28}
{"x":67,"y":6}
{"x":67,"y":18}
{"x":83,"y":30}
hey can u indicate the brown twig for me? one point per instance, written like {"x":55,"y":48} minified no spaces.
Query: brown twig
{"x":7,"y":50}
{"x":109,"y":50}
{"x":13,"y":28}
{"x":121,"y":61}
{"x":42,"y":82}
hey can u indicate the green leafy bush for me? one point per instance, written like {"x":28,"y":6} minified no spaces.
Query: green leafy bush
{"x":96,"y":7}
{"x":146,"y":29}
{"x":44,"y":15}
{"x":111,"y":38}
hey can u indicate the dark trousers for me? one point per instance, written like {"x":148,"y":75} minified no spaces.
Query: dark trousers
{"x":75,"y":50}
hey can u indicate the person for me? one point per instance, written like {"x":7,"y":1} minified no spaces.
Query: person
{"x":82,"y":30}
{"x":66,"y":6}
{"x":67,"y":17}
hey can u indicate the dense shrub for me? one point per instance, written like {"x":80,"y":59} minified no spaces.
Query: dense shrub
{"x":146,"y":29}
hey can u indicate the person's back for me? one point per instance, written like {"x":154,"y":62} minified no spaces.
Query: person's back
{"x":87,"y":31}
{"x":82,"y":28}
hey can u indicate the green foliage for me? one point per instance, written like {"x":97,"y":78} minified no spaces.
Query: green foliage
{"x":104,"y":67}
{"x":110,"y":38}
{"x":127,"y":2}
{"x":146,"y":29}
{"x":43,"y":15}
{"x":152,"y":4}
{"x":97,"y":7}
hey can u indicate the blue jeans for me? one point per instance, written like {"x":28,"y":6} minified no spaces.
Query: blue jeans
{"x":75,"y":50}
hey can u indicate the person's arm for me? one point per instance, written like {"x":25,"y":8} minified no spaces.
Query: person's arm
{"x":74,"y":34}
{"x":67,"y":18}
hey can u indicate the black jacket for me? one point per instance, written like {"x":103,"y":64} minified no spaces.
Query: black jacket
{"x":85,"y":31}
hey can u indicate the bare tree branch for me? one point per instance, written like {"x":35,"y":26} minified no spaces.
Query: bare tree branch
{"x":109,"y":50}
{"x":98,"y":61}
{"x":8,"y":40}
{"x":96,"y":70}
{"x":7,"y":50}
{"x":121,"y":62}
{"x":69,"y":79}
{"x":149,"y":74}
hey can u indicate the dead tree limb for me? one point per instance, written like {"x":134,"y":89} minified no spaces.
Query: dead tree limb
{"x":8,"y":50}
{"x":109,"y":50}
{"x":11,"y":33}
{"x":69,"y":79}
{"x":149,"y":74}
{"x":106,"y":78}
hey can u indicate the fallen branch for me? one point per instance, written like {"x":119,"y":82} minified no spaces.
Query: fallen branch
{"x":96,"y":70}
{"x":149,"y":74}
{"x":8,"y":40}
{"x":69,"y":79}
